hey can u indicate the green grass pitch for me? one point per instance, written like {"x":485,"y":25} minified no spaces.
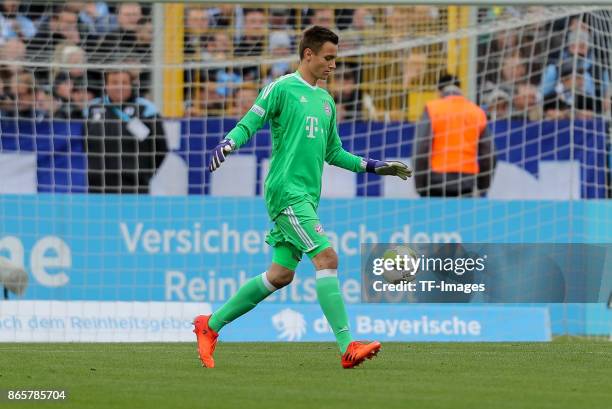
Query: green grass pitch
{"x":566,"y":374}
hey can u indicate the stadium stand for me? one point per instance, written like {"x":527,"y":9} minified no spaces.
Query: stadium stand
{"x":54,"y":55}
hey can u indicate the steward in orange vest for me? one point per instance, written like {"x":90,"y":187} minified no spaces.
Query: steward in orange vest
{"x":452,"y":152}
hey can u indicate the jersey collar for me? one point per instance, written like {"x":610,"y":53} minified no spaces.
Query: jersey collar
{"x":298,"y":76}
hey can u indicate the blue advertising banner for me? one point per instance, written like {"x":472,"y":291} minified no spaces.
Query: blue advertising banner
{"x":523,"y":144}
{"x":121,"y":321}
{"x":62,"y":161}
{"x":200,"y":249}
{"x":60,"y":152}
{"x":138,"y":248}
{"x":395,"y":323}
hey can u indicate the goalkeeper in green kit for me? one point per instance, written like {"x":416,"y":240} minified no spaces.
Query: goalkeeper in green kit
{"x":302,"y":120}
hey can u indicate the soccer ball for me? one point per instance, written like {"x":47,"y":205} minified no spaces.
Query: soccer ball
{"x":404,"y":271}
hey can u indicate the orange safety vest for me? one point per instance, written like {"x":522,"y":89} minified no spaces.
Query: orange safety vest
{"x":457,"y":124}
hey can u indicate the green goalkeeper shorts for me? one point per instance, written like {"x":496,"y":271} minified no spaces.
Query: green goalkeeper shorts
{"x":297,"y":230}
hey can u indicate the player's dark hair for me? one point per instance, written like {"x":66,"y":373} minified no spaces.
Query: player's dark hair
{"x":59,"y":8}
{"x":315,"y":37}
{"x":447,"y":79}
{"x":253,"y":10}
{"x":110,"y":71}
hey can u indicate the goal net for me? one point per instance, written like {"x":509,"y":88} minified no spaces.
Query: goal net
{"x":109,"y":112}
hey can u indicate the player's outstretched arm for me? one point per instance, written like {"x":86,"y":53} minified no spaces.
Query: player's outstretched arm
{"x":264,"y":108}
{"x":223,"y":148}
{"x":337,"y":156}
{"x":388,"y":168}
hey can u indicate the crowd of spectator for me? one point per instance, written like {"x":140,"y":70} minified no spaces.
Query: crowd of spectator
{"x":231,"y":33}
{"x":44,"y":47}
{"x":48,"y":41}
{"x":551,"y":70}
{"x":542,"y":71}
{"x":548,"y":71}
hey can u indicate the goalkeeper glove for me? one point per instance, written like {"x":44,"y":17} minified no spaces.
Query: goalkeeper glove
{"x":388,"y":168}
{"x":225,"y":147}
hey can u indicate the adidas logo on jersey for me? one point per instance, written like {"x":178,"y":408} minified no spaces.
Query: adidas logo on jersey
{"x":303,"y":99}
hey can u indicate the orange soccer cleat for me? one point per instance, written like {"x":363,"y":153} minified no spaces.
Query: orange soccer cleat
{"x":357,"y":352}
{"x":207,"y":340}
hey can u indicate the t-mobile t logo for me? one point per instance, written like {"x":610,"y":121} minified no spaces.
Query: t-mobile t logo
{"x":312,"y":126}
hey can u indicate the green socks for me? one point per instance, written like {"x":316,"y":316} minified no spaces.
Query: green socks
{"x":246,"y":298}
{"x":332,"y":304}
{"x":258,"y":288}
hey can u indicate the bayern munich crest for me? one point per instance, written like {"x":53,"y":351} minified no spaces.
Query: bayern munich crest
{"x":327,"y":108}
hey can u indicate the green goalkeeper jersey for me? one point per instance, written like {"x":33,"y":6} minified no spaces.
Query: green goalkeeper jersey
{"x":304,"y":134}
